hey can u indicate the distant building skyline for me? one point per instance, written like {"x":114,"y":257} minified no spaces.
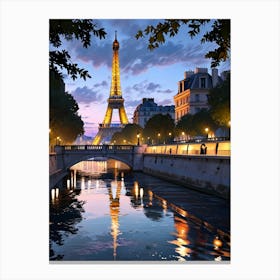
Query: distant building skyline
{"x":148,"y":108}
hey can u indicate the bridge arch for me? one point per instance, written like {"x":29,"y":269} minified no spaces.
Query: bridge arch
{"x":130,"y":155}
{"x":85,"y":158}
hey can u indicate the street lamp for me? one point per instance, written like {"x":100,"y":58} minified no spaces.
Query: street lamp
{"x":138,"y":135}
{"x":169,"y":134}
{"x":206,"y":130}
{"x":183,"y":135}
{"x":158,"y":137}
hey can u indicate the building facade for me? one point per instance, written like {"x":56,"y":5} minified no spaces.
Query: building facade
{"x":193,"y":91}
{"x":148,"y":109}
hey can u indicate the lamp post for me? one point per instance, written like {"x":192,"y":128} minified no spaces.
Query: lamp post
{"x":169,"y":134}
{"x":206,"y":130}
{"x":158,"y":137}
{"x":183,"y":135}
{"x":138,"y":141}
{"x":229,"y":130}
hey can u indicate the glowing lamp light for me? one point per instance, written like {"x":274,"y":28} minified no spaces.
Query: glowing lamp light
{"x":217,"y":243}
{"x":68,"y":184}
{"x":53,"y":194}
{"x":150,"y":194}
{"x":141,"y":192}
{"x":136,"y":189}
{"x":164,"y":206}
{"x":56,"y":192}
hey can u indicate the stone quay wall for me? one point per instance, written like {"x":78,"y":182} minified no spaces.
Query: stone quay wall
{"x":210,"y":174}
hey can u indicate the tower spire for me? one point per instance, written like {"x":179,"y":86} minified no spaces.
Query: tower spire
{"x":115,"y":100}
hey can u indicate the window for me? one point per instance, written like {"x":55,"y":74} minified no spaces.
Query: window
{"x":202,"y":82}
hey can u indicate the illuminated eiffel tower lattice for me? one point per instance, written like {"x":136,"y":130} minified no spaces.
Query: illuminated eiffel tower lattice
{"x":115,"y":101}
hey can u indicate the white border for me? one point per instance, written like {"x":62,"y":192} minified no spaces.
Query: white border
{"x":24,"y":137}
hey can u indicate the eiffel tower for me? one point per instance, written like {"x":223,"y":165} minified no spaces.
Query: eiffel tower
{"x":115,"y":101}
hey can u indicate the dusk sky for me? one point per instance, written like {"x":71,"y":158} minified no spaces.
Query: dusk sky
{"x":144,"y":73}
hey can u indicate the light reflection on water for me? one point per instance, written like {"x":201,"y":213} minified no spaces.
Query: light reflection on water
{"x":114,"y":217}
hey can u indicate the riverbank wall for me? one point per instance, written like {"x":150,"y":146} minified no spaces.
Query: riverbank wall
{"x":210,"y":174}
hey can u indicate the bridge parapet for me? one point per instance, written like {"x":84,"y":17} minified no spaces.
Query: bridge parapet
{"x":214,"y":148}
{"x":98,"y":148}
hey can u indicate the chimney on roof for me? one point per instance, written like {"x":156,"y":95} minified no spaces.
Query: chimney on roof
{"x":187,"y":74}
{"x":200,"y":70}
{"x":214,"y":77}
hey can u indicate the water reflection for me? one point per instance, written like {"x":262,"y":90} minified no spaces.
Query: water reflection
{"x":114,"y":198}
{"x":112,"y":216}
{"x":181,"y":241}
{"x":65,"y":214}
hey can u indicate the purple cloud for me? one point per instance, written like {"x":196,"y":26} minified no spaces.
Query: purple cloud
{"x":167,"y":91}
{"x":102,"y":84}
{"x":166,"y":102}
{"x":86,"y":95}
{"x":146,"y":88}
{"x":132,"y":103}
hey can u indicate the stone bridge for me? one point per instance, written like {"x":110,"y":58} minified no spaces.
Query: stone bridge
{"x":67,"y":156}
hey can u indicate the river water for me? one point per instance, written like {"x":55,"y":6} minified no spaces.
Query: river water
{"x":100,"y":213}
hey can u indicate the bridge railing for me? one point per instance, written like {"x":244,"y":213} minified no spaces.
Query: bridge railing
{"x":98,"y":148}
{"x":204,"y":148}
